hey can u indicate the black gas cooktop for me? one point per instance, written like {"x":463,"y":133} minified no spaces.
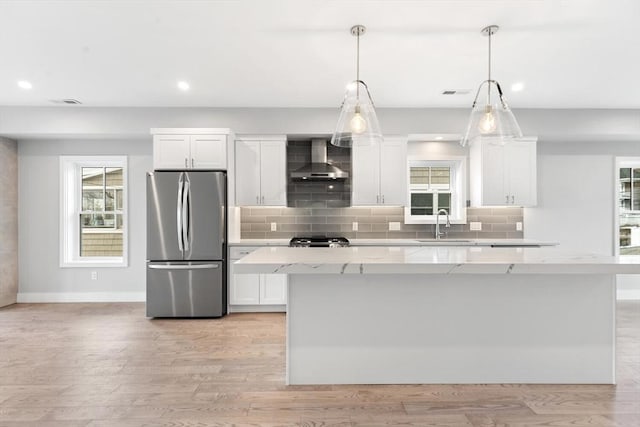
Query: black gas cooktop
{"x":319,"y":242}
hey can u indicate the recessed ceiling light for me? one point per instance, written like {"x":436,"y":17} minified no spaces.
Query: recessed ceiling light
{"x":439,"y":138}
{"x":182,"y":85}
{"x":517,"y":87}
{"x":23,"y":84}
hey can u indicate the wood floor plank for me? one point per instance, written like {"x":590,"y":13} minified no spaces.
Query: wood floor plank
{"x":104,"y":365}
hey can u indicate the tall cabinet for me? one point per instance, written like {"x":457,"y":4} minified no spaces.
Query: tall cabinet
{"x":379,"y":173}
{"x":261,"y":171}
{"x":503,"y":174}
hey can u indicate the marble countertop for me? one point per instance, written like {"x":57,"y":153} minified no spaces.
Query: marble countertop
{"x":431,"y":260}
{"x":406,"y":242}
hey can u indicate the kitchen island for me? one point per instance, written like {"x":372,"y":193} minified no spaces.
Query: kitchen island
{"x":381,"y":315}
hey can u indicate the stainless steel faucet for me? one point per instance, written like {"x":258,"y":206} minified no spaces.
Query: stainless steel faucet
{"x":448,"y":224}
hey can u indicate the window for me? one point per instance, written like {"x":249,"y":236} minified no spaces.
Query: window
{"x":93,"y":217}
{"x":628,"y":206}
{"x":435,"y":185}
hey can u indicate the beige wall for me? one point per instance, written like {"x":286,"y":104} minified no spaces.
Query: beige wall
{"x":8,"y":221}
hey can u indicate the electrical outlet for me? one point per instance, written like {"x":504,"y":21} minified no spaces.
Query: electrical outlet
{"x":94,"y":275}
{"x":518,"y":226}
{"x":475,"y":226}
{"x":354,"y":226}
{"x":274,"y":226}
{"x":394,"y":226}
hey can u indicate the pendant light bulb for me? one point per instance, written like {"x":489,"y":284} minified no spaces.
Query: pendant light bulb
{"x":357,"y":123}
{"x":487,"y":123}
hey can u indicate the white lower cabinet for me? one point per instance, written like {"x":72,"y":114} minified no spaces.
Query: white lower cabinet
{"x":255,"y":292}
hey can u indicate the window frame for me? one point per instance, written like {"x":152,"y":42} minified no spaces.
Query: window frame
{"x":71,"y":208}
{"x":458,"y":165}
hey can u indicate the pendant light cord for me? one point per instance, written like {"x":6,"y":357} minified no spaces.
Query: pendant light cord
{"x":489,"y":82}
{"x":358,"y":66}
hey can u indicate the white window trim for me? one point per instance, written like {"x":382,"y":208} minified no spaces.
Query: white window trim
{"x":459,"y":202}
{"x":70,"y":196}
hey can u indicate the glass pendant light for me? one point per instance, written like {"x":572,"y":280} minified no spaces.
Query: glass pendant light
{"x":492,"y":119}
{"x":358,"y":120}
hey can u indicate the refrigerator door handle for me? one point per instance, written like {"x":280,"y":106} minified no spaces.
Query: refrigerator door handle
{"x":179,"y":211}
{"x":186,"y":214}
{"x":184,"y":267}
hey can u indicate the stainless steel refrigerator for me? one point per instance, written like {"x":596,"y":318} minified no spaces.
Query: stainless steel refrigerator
{"x":186,"y":244}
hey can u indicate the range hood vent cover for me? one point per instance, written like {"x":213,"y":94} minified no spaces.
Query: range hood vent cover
{"x":319,"y":169}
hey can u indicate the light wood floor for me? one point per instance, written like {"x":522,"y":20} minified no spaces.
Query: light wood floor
{"x":98,"y":365}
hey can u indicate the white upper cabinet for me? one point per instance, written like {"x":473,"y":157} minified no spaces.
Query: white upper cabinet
{"x":247,"y":172}
{"x":261,"y":172}
{"x":273,"y":173}
{"x":188,"y":148}
{"x":171,"y":152}
{"x":379,"y":173}
{"x":503,"y":175}
{"x":209,"y":151}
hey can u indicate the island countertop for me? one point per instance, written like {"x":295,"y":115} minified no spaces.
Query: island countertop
{"x":432,"y":260}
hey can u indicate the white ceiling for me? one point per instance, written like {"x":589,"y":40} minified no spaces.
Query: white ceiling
{"x":299,"y":53}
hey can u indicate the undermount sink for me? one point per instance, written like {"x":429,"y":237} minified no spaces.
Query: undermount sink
{"x":444,"y":240}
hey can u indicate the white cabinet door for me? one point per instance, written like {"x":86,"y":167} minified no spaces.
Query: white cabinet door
{"x":504,"y":175}
{"x":273,"y":173}
{"x":520,"y":163}
{"x":494,"y":192}
{"x":365,"y":180}
{"x":244,"y":288}
{"x":393,"y":172}
{"x":209,"y":152}
{"x":273,"y":289}
{"x":247,"y":173}
{"x":171,"y":152}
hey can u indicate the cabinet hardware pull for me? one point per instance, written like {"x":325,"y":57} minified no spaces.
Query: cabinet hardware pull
{"x":378,"y":199}
{"x":263,"y":200}
{"x":257,"y":200}
{"x":185,"y":163}
{"x":192,"y":162}
{"x":383,"y":199}
{"x":506,"y":199}
{"x":513,"y":200}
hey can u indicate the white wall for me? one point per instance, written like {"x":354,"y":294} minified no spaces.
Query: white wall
{"x":576,"y":204}
{"x":41,"y":277}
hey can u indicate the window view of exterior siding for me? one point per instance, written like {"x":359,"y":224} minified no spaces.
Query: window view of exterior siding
{"x":430,"y":188}
{"x":101,"y":215}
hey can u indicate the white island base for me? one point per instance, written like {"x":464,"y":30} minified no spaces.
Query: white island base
{"x":451,"y":328}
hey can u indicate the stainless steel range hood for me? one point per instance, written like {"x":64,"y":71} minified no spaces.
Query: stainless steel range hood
{"x":319,"y":169}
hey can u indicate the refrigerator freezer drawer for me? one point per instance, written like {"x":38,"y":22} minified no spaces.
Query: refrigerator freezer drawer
{"x":186,"y":289}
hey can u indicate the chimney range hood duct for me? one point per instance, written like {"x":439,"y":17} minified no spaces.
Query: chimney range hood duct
{"x":319,"y":169}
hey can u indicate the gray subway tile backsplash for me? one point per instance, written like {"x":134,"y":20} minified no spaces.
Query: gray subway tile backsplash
{"x":373,"y":223}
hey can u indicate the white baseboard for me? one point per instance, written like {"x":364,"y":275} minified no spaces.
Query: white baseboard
{"x":257,"y":308}
{"x":35,"y":297}
{"x":627,"y":294}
